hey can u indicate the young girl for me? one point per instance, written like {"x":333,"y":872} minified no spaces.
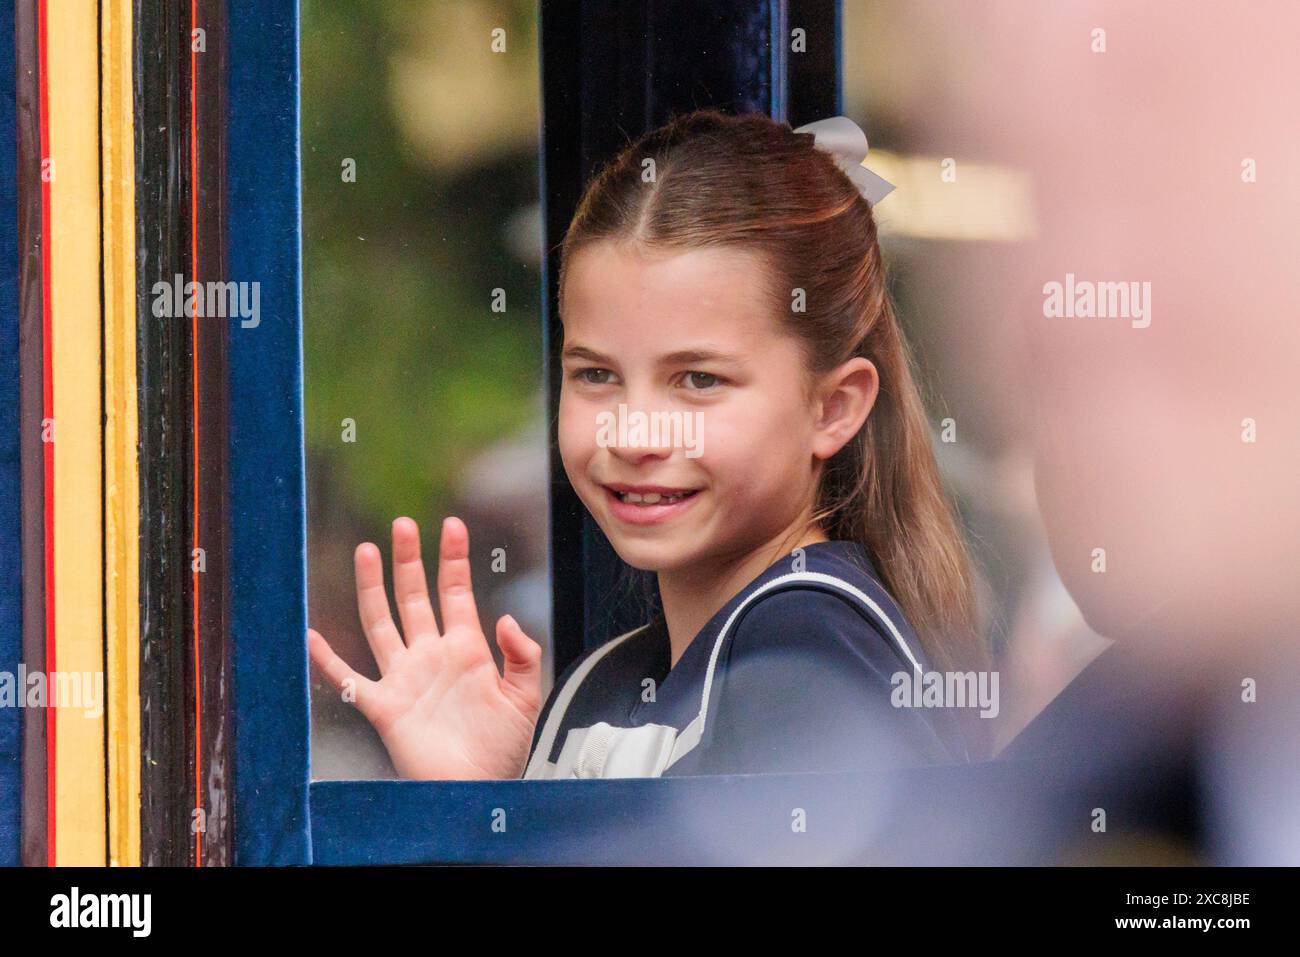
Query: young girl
{"x":723,"y":271}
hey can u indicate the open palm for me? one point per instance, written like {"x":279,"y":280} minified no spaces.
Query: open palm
{"x":440,"y":706}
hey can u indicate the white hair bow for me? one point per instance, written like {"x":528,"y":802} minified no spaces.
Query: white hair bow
{"x":847,"y":144}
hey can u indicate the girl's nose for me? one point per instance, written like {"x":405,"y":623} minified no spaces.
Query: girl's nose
{"x":639,"y":446}
{"x":641,"y":431}
{"x":636,"y":454}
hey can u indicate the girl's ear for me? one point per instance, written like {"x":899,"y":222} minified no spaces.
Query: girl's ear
{"x":847,"y":394}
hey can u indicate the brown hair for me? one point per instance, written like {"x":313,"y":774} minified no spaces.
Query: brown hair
{"x":751,"y":182}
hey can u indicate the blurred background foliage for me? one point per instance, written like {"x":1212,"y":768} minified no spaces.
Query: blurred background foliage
{"x":400,"y":264}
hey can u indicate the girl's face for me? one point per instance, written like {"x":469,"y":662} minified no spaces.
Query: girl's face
{"x":683,"y":340}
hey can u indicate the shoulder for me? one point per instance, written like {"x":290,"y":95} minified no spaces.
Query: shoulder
{"x":587,"y":668}
{"x":614,"y":651}
{"x":592,"y":676}
{"x":830,"y":609}
{"x":805,"y":683}
{"x":805,"y":678}
{"x":1118,"y":696}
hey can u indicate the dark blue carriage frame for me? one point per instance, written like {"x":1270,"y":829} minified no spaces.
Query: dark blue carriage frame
{"x":268,"y":558}
{"x":11,"y":578}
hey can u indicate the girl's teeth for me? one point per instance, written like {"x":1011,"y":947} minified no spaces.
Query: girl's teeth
{"x":651,"y":498}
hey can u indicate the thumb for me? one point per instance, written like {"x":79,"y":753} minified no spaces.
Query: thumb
{"x":523,"y":660}
{"x":355,"y":688}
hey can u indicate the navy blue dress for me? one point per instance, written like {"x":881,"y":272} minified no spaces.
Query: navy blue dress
{"x":794,"y":673}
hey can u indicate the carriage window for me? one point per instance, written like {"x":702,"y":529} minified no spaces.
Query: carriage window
{"x":423,"y":366}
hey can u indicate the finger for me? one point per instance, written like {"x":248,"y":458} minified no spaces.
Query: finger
{"x":372,"y":607}
{"x":336,"y":670}
{"x":455,"y":592}
{"x":409,"y":584}
{"x":523,"y":661}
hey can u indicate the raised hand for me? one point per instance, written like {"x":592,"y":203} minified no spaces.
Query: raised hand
{"x":440,"y":706}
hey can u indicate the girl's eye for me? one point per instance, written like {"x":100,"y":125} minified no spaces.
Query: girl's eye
{"x":702,"y":380}
{"x":593,"y":376}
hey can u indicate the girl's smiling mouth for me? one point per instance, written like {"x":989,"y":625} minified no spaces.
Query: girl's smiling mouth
{"x":647,"y":504}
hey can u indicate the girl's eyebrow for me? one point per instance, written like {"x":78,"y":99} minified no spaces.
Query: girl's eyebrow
{"x":688,"y":356}
{"x":682,"y":357}
{"x":582,"y":352}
